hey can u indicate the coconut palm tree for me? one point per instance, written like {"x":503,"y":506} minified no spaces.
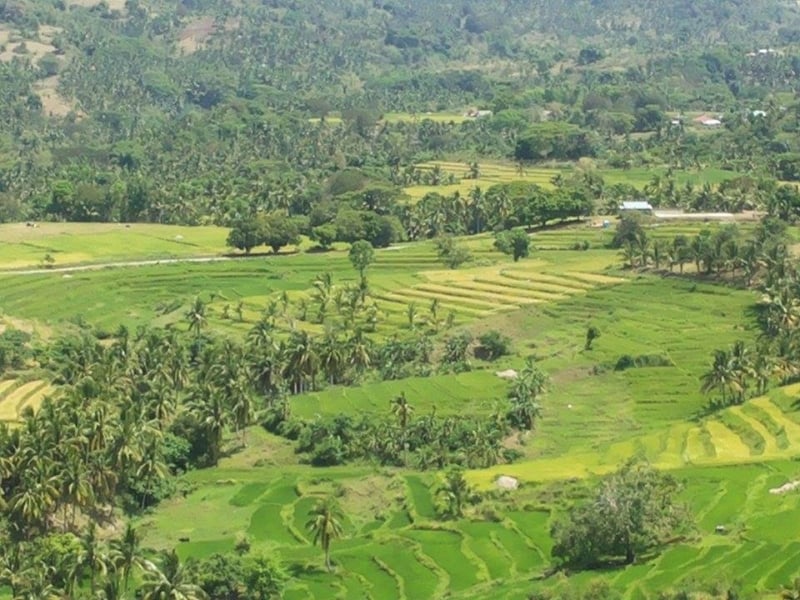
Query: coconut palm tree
{"x":741,"y":368}
{"x":325,"y":525}
{"x":524,"y":393}
{"x":453,"y":493}
{"x":91,"y":558}
{"x":196,"y":316}
{"x":721,"y":377}
{"x":74,"y":486}
{"x":301,"y":361}
{"x":35,"y":497}
{"x":241,"y":402}
{"x":402,"y":410}
{"x":126,"y":554}
{"x":170,"y":582}
{"x":208,"y":406}
{"x":331,"y":352}
{"x":359,"y":352}
{"x":151,"y":468}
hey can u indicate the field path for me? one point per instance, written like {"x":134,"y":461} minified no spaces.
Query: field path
{"x":121,"y":264}
{"x":160,"y":261}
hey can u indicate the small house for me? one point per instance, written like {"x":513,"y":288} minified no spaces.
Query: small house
{"x":475,"y":113}
{"x":708,"y":121}
{"x":636,"y":206}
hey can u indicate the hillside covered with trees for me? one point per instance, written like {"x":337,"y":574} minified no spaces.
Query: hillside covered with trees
{"x":194,"y":112}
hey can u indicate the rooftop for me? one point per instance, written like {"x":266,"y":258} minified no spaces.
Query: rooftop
{"x":635,"y":205}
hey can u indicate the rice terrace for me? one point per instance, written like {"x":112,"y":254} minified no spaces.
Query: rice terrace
{"x":393,"y":541}
{"x":413,"y":300}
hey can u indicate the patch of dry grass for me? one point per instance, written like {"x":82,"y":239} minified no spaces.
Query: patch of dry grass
{"x":53,"y":104}
{"x":112,"y":4}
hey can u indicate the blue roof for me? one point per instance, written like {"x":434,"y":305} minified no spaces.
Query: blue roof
{"x":636,"y":205}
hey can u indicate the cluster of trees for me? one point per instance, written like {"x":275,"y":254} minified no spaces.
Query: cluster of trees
{"x":382,"y":217}
{"x":741,"y":371}
{"x":501,"y":207}
{"x":723,"y":251}
{"x":83,"y":566}
{"x":762,"y":261}
{"x":422,"y":442}
{"x":15,"y":349}
{"x":425,"y":442}
{"x":632,"y":511}
{"x":732,"y":195}
{"x":272,"y":230}
{"x":148,"y":122}
{"x":86,"y":564}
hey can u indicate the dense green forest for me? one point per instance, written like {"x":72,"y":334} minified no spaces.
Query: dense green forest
{"x":409,"y":281}
{"x":194,"y":112}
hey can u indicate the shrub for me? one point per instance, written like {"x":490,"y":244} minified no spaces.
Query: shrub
{"x":515,"y":242}
{"x":628,"y":230}
{"x":626,"y":361}
{"x":592,"y":333}
{"x":492,"y":345}
{"x":450,"y":253}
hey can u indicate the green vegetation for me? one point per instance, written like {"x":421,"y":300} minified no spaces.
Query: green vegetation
{"x":573,"y":437}
{"x":346,"y":299}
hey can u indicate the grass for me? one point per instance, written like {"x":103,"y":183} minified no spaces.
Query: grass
{"x":74,"y":243}
{"x":421,"y":497}
{"x":16,"y":396}
{"x":444,"y":548}
{"x":497,"y":172}
{"x":405,"y":117}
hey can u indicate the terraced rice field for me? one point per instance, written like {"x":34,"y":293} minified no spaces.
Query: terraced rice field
{"x":475,"y":558}
{"x":759,"y":431}
{"x":479,"y":292}
{"x":491,"y":173}
{"x":390,"y":559}
{"x":16,"y":396}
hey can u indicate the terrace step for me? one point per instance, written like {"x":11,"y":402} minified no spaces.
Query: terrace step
{"x":696,"y":450}
{"x":34,"y":398}
{"x":7,"y":385}
{"x":546,"y":291}
{"x":536,"y":277}
{"x":404,"y":300}
{"x":416,"y":579}
{"x":593,"y":279}
{"x":479,"y":541}
{"x":770,"y":441}
{"x":728,"y":444}
{"x":412,"y":294}
{"x":524,"y":557}
{"x":13,"y":399}
{"x":443,"y":548}
{"x":777,"y":431}
{"x":470,"y":291}
{"x":774,"y":411}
